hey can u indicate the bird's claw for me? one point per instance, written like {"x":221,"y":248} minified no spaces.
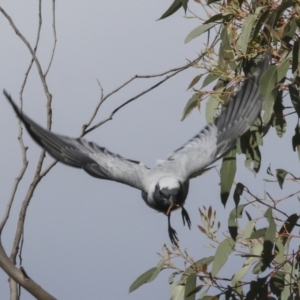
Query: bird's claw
{"x":185,"y":217}
{"x":173,"y":236}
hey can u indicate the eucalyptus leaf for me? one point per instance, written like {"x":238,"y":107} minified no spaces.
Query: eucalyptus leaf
{"x":197,"y":32}
{"x":296,"y":140}
{"x":172,"y":9}
{"x":190,"y":285}
{"x":280,"y":174}
{"x":267,"y":89}
{"x":193,"y":102}
{"x":247,"y":29}
{"x":226,"y":50}
{"x":194,"y":81}
{"x":227,"y":173}
{"x":294,"y":94}
{"x":148,"y":276}
{"x":221,"y":256}
{"x":295,"y":60}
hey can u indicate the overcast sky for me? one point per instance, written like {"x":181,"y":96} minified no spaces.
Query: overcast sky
{"x":86,"y":238}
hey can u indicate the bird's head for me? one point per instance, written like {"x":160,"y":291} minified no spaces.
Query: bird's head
{"x":167,"y":194}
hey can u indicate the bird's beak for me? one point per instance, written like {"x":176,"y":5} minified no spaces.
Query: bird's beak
{"x":170,"y":207}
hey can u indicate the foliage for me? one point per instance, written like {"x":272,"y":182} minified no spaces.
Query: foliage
{"x":244,"y":30}
{"x":264,"y":250}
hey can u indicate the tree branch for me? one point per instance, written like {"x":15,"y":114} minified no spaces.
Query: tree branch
{"x":27,"y":283}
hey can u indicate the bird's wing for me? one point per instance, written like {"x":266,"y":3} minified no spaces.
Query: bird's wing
{"x":217,"y":138}
{"x":79,"y":153}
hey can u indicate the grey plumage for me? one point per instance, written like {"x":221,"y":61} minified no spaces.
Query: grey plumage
{"x":164,"y":188}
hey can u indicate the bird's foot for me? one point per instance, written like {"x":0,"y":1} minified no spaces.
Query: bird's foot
{"x":185,"y":217}
{"x":173,"y":236}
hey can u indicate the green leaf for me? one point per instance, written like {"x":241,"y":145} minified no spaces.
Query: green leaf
{"x":279,"y":121}
{"x":221,"y":256}
{"x":211,"y":108}
{"x":172,"y":276}
{"x":257,"y":249}
{"x":283,"y":68}
{"x":289,"y":31}
{"x":172,"y":9}
{"x":237,"y":212}
{"x":271,"y":230}
{"x":286,"y":293}
{"x":280,"y":174}
{"x":296,"y":140}
{"x":197,"y":32}
{"x":184,"y":4}
{"x":226,"y":50}
{"x":227,"y":173}
{"x":190,"y":285}
{"x":246,"y":30}
{"x":258,"y":289}
{"x":249,"y":229}
{"x":211,"y":1}
{"x":209,"y":79}
{"x":214,"y":18}
{"x":267,"y":89}
{"x":267,"y":254}
{"x":287,"y":227}
{"x":295,"y":60}
{"x":191,"y":104}
{"x":258,"y":268}
{"x":194,"y":291}
{"x":259,"y":24}
{"x":146,"y":277}
{"x":240,"y":274}
{"x":277,"y":283}
{"x":207,"y":297}
{"x":294,"y":93}
{"x":253,"y":158}
{"x":200,"y":263}
{"x":279,"y":252}
{"x":177,"y":291}
{"x":237,"y":193}
{"x":258,"y":233}
{"x":194,"y":81}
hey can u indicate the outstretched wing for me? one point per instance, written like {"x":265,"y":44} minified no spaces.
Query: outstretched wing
{"x":217,"y":138}
{"x":79,"y":153}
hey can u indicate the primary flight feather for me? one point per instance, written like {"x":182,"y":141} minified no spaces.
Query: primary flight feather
{"x":164,"y":188}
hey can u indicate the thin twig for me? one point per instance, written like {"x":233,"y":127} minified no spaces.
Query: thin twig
{"x":103,"y":98}
{"x":84,"y":132}
{"x":20,"y":136}
{"x":38,"y":65}
{"x":54,"y":38}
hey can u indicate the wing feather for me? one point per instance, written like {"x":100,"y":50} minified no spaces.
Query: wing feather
{"x":217,"y":138}
{"x":79,"y":153}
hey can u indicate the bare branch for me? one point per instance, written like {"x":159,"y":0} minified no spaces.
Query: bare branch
{"x":38,"y":65}
{"x":84,"y":132}
{"x":20,"y":136}
{"x":103,"y":98}
{"x":27,"y":283}
{"x":37,"y":176}
{"x":54,"y":37}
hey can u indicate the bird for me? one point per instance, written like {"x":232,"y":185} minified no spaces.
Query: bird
{"x":164,"y":188}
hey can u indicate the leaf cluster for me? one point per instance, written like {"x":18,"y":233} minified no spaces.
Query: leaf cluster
{"x":263,"y":245}
{"x":244,"y":30}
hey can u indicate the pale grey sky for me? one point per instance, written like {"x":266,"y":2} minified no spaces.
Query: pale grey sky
{"x":86,"y":238}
